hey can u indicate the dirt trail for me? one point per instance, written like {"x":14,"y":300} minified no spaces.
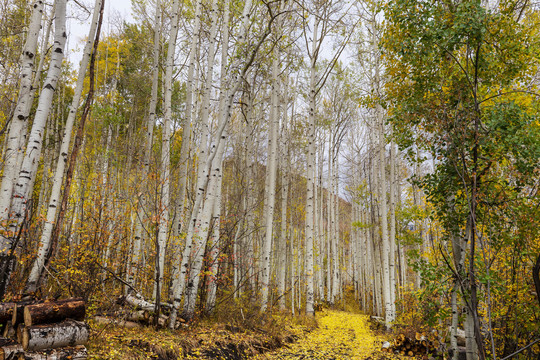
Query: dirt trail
{"x":340,"y":335}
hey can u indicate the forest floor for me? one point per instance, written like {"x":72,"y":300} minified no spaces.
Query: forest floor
{"x":334,"y":335}
{"x":340,"y":335}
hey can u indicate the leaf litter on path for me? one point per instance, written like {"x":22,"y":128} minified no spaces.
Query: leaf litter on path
{"x":339,"y":336}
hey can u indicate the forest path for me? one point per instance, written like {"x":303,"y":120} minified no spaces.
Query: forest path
{"x":340,"y":335}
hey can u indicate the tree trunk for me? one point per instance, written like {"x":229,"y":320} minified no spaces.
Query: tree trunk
{"x":45,"y":240}
{"x":186,"y":128}
{"x":163,"y":226}
{"x":30,"y":163}
{"x":270,"y":184}
{"x":19,"y":195}
{"x":14,"y":139}
{"x":67,"y":333}
{"x":141,"y":204}
{"x":231,"y":92}
{"x":310,"y":206}
{"x":285,"y":171}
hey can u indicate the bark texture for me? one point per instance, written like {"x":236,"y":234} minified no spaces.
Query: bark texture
{"x":67,"y":333}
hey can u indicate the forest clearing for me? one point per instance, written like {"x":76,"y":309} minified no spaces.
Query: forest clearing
{"x":317,"y":179}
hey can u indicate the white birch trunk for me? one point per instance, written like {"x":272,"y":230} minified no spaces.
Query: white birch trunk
{"x":202,"y":233}
{"x":231,"y":91}
{"x":14,"y":139}
{"x":320,"y":215}
{"x":392,"y":260}
{"x":186,"y":128}
{"x":33,"y":151}
{"x":202,"y":224}
{"x":44,"y":243}
{"x":185,"y":149}
{"x":271,"y":169}
{"x":336,"y":288}
{"x":310,"y":206}
{"x":454,"y":325}
{"x":151,"y":120}
{"x":282,"y":249}
{"x":165,"y":151}
{"x":215,"y":247}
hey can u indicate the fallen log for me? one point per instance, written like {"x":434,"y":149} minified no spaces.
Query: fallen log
{"x":50,"y":336}
{"x":18,"y":313}
{"x":6,"y":311}
{"x":123,"y":323}
{"x":72,"y":353}
{"x":54,"y":311}
{"x":137,"y":301}
{"x":138,"y":315}
{"x":10,"y":351}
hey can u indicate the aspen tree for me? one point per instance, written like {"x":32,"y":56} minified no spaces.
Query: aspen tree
{"x":240,"y":68}
{"x":285,"y":171}
{"x":163,"y":226}
{"x":150,"y":122}
{"x":27,"y":174}
{"x":15,"y":137}
{"x":44,"y":243}
{"x":215,"y":248}
{"x":311,"y":173}
{"x":210,"y":304}
{"x":185,"y":149}
{"x":30,"y":163}
{"x":270,"y":184}
{"x":201,"y":218}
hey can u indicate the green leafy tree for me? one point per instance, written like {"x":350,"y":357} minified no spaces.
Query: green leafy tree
{"x":461,"y":91}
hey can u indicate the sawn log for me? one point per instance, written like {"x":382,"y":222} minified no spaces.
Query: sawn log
{"x":6,"y":311}
{"x":72,"y":353}
{"x":51,"y":336}
{"x":54,"y":311}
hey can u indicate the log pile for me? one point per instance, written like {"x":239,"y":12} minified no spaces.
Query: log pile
{"x":419,"y":345}
{"x":44,"y":330}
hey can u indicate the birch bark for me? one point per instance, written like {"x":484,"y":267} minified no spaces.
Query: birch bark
{"x":239,"y":74}
{"x":202,"y":223}
{"x":310,"y":163}
{"x":14,"y":140}
{"x":44,"y":243}
{"x":29,"y":166}
{"x":271,"y":169}
{"x":151,"y":120}
{"x":285,"y":164}
{"x":165,"y":155}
